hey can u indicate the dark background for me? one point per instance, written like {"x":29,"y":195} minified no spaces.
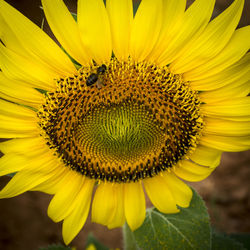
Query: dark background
{"x":24,"y":223}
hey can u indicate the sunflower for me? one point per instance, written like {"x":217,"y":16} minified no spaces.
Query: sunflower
{"x":125,"y":104}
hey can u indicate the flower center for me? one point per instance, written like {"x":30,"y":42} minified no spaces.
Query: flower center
{"x":121,"y":122}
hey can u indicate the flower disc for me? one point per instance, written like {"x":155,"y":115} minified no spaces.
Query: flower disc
{"x":136,"y":120}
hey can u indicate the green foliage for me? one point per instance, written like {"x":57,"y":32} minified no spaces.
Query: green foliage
{"x":92,"y":240}
{"x":243,"y":238}
{"x":189,"y":229}
{"x":55,"y":247}
{"x":222,"y":242}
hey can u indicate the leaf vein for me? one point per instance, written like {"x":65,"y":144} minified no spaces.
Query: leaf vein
{"x":176,"y":229}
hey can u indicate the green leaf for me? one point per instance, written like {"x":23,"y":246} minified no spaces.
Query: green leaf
{"x":188,"y":229}
{"x":92,"y":240}
{"x":243,"y":238}
{"x":222,"y":242}
{"x":55,"y":247}
{"x":129,"y":239}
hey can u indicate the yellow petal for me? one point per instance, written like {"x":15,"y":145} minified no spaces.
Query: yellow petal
{"x":191,"y":25}
{"x":228,"y":108}
{"x":121,"y":17}
{"x":181,"y":192}
{"x":19,"y":101}
{"x":61,"y":204}
{"x":160,"y":195}
{"x":95,"y":29}
{"x":20,"y":68}
{"x":212,"y":40}
{"x":52,"y":185}
{"x":11,"y":127}
{"x":146,"y":28}
{"x":27,"y":179}
{"x":236,"y":48}
{"x":10,"y":40}
{"x":17,"y":111}
{"x":134,"y":204}
{"x":20,"y":90}
{"x":35,"y":41}
{"x":173,"y":12}
{"x":14,"y":161}
{"x":65,"y":29}
{"x":228,"y":76}
{"x":206,"y":156}
{"x":226,"y":143}
{"x":10,"y":117}
{"x":11,"y":163}
{"x":104,"y":204}
{"x":5,"y":133}
{"x":118,"y":219}
{"x":73,"y":223}
{"x":190,"y":171}
{"x":239,"y":88}
{"x":22,"y":145}
{"x":225,"y":127}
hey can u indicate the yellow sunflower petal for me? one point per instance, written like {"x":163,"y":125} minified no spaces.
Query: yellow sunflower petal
{"x":212,"y":40}
{"x":228,"y":108}
{"x":14,"y":127}
{"x":19,"y":101}
{"x":190,"y":171}
{"x":73,"y":223}
{"x":9,"y":38}
{"x":52,"y":185}
{"x":35,"y":41}
{"x":20,"y":68}
{"x":104,"y":204}
{"x":134,"y":204}
{"x":206,"y":156}
{"x":15,"y":161}
{"x":14,"y":110}
{"x":173,"y":12}
{"x":118,"y":219}
{"x":226,"y":143}
{"x":180,"y":191}
{"x":228,"y":76}
{"x":27,"y":179}
{"x":61,"y":204}
{"x":160,"y":195}
{"x":239,"y":88}
{"x":225,"y":127}
{"x":11,"y":163}
{"x":121,"y":17}
{"x":22,"y":145}
{"x":192,"y":24}
{"x":65,"y":29}
{"x":95,"y":29}
{"x":145,"y":30}
{"x":233,"y":52}
{"x":20,"y":90}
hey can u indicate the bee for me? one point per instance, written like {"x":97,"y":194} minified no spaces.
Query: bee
{"x":95,"y":77}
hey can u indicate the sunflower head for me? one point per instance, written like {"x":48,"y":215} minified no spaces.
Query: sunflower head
{"x":136,"y":101}
{"x":133,"y":121}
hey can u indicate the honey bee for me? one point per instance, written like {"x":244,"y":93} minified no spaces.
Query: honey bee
{"x":96,"y":77}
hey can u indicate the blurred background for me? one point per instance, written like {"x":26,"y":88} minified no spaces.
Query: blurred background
{"x":24,"y":223}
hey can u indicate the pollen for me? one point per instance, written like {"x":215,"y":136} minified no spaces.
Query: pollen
{"x":133,"y":121}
